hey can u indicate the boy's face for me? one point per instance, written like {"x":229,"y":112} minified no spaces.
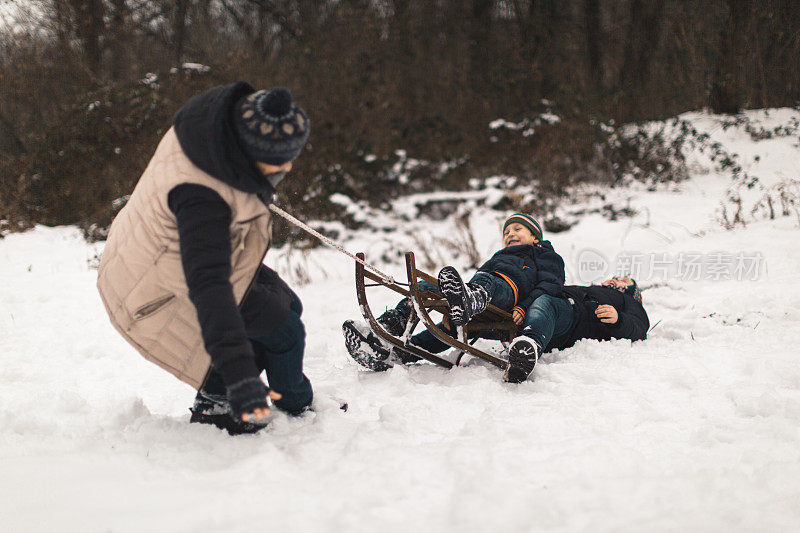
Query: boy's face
{"x":618,"y":282}
{"x":267,"y":169}
{"x":274,"y":173}
{"x":515,"y":234}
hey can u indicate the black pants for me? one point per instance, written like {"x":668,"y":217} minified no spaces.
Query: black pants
{"x":280,"y":354}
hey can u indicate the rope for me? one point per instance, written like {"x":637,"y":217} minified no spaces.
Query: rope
{"x":329,"y":242}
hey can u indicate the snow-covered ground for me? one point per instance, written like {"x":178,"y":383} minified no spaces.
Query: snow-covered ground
{"x":695,"y":429}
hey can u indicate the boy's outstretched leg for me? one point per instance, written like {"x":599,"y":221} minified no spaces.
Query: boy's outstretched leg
{"x":547,"y":316}
{"x":465,"y":300}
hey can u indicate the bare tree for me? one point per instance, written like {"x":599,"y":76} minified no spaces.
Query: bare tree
{"x":117,"y":37}
{"x":179,"y":28}
{"x":10,"y":143}
{"x":88,"y":25}
{"x":591,"y":13}
{"x":644,"y":33}
{"x":480,"y":51}
{"x":726,"y":94}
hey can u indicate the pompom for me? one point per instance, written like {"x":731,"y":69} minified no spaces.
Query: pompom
{"x":278,"y":102}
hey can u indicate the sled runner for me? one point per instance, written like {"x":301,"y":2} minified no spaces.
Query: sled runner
{"x":492,"y":323}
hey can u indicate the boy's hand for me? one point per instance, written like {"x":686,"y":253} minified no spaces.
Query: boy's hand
{"x":257,"y":415}
{"x":248,"y":399}
{"x":518,"y":318}
{"x":607,"y":314}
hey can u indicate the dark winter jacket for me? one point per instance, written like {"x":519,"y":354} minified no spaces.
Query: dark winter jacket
{"x":531,"y":269}
{"x":205,"y":132}
{"x":632,"y":322}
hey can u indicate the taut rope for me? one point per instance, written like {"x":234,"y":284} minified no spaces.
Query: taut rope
{"x":329,"y":242}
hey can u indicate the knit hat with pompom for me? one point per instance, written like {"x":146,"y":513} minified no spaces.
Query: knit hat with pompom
{"x":270,"y":127}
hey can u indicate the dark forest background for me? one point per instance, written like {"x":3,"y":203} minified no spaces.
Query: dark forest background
{"x":79,"y":116}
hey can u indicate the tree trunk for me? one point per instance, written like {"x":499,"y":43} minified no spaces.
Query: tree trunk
{"x":531,"y":32}
{"x":89,"y":28}
{"x":479,"y":49}
{"x":10,"y":144}
{"x":179,"y":29}
{"x":591,"y":11}
{"x":117,"y":39}
{"x":726,"y":95}
{"x":641,"y":45}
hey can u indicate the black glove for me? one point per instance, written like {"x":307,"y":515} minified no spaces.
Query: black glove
{"x":247,"y":395}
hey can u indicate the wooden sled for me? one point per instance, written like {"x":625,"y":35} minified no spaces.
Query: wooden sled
{"x":493,"y":322}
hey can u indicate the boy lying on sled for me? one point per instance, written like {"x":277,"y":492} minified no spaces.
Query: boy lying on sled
{"x":525,"y":277}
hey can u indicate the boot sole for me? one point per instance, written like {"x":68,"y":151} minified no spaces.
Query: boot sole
{"x":520,"y":366}
{"x":226,"y":422}
{"x":452,"y":288}
{"x":362,"y":352}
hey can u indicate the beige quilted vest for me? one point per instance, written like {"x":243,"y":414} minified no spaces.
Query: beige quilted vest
{"x":141,"y":279}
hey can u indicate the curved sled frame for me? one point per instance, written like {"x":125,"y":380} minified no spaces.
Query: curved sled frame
{"x":361,"y":291}
{"x":493,"y":319}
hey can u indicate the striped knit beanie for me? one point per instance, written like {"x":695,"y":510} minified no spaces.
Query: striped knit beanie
{"x":527,"y":221}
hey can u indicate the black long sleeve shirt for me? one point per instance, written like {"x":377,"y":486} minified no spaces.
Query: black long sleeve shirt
{"x":203,"y":227}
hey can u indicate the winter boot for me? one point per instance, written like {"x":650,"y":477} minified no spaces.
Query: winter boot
{"x":393,"y":321}
{"x":465,"y":301}
{"x":369,"y":351}
{"x":522,"y":356}
{"x":365,"y":347}
{"x":215,"y":409}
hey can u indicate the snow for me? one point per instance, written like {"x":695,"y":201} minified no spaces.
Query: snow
{"x":196,"y":67}
{"x":20,"y":17}
{"x":697,"y":428}
{"x":527,"y":126}
{"x":150,"y":79}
